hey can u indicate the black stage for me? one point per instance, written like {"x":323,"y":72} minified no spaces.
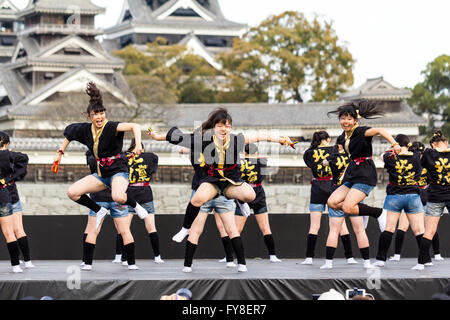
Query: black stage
{"x":211,"y":280}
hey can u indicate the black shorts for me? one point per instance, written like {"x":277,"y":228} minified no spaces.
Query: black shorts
{"x":258,"y":205}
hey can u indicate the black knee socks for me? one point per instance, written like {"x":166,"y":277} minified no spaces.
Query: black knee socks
{"x":119,"y":244}
{"x":329,"y":253}
{"x":310,"y":245}
{"x":23,"y":245}
{"x":13,"y":249}
{"x":89,"y":253}
{"x":238,"y":248}
{"x":270,"y":244}
{"x":191,"y":214}
{"x":365,"y":210}
{"x":154,"y":240}
{"x":227,"y":246}
{"x":436,"y":244}
{"x":189,"y":253}
{"x":347,"y":242}
{"x":424,"y":252}
{"x":89,"y":203}
{"x":84,"y":248}
{"x":383,"y":245}
{"x":129,"y":249}
{"x":365,"y":253}
{"x":399,"y":237}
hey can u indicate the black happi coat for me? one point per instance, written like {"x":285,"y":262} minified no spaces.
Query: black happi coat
{"x":404,"y":173}
{"x":437,"y":164}
{"x":101,"y":196}
{"x":110,"y":144}
{"x":205,"y":158}
{"x":359,"y":146}
{"x":13,"y":167}
{"x":320,"y":190}
{"x":141,"y":168}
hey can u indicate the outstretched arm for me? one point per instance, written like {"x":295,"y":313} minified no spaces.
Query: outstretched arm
{"x":383,"y":132}
{"x":269,"y":138}
{"x":61,"y":150}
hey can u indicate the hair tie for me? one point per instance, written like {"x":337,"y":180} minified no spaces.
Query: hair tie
{"x":409,"y":145}
{"x":357,"y":114}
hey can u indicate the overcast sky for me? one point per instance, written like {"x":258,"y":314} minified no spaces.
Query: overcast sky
{"x":391,"y":38}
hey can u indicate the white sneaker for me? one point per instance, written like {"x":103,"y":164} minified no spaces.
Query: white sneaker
{"x":187,"y":269}
{"x":382,"y":220}
{"x":231,"y":264}
{"x":180,"y":235}
{"x":438,"y":257}
{"x":245,"y":209}
{"x":117,"y":259}
{"x":100,"y":215}
{"x":223,"y":260}
{"x":21,"y":261}
{"x":242,"y":268}
{"x":395,"y":257}
{"x":379,"y":263}
{"x":140,"y":211}
{"x":158,"y":259}
{"x":82,"y":264}
{"x":368,"y":265}
{"x":133,"y":267}
{"x":429,"y":264}
{"x":87,"y":267}
{"x":29,"y":265}
{"x":308,"y":261}
{"x":328,"y":265}
{"x":125,"y":263}
{"x":419,"y":267}
{"x":352,"y":261}
{"x":365,"y":221}
{"x":17,"y":269}
{"x":274,"y":258}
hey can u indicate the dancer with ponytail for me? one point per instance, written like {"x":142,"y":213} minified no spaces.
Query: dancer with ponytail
{"x":216,"y":152}
{"x":321,"y":187}
{"x":403,"y":223}
{"x":12,"y":168}
{"x":402,"y":193}
{"x":104,"y":139}
{"x":360,"y":177}
{"x":437,"y":163}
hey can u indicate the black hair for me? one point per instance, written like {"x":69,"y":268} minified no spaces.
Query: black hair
{"x":251,"y":148}
{"x":317,"y":138}
{"x":4,"y":139}
{"x":403,"y":141}
{"x":96,"y":100}
{"x":417,"y":145}
{"x":360,"y":108}
{"x":437,"y":137}
{"x":133,"y":145}
{"x":219,"y":115}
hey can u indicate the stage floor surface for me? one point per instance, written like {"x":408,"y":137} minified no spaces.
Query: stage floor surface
{"x":211,"y":280}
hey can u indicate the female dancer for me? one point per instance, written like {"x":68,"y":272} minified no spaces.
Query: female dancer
{"x":437,"y":162}
{"x":12,"y":168}
{"x":403,"y":223}
{"x":104,"y":140}
{"x":218,"y":151}
{"x":360,"y":177}
{"x":141,"y":168}
{"x":402,"y":193}
{"x":321,"y":188}
{"x":338,"y":161}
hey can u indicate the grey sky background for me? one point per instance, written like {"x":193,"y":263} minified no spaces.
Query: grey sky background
{"x":391,"y":38}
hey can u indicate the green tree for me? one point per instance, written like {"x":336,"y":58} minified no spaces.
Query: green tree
{"x":432,"y":96}
{"x":292,"y":55}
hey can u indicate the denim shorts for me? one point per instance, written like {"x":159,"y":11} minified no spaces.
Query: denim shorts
{"x":410,"y":203}
{"x":256,"y":210}
{"x":332,"y":213}
{"x":317,"y":207}
{"x":107,"y":181}
{"x":17,"y":207}
{"x":436,"y":209}
{"x":219,"y":204}
{"x":5,"y":210}
{"x":148,"y":206}
{"x":359,"y":186}
{"x":116,"y":210}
